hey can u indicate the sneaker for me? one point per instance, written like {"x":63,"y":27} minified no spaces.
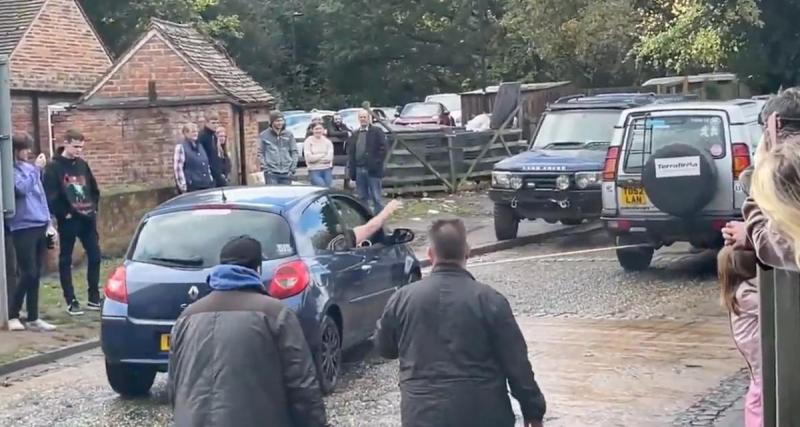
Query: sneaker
{"x":15,"y":325}
{"x":74,"y":308}
{"x":40,"y":325}
{"x":94,"y":306}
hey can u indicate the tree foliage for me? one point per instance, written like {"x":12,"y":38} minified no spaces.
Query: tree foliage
{"x":684,"y":36}
{"x":337,"y":53}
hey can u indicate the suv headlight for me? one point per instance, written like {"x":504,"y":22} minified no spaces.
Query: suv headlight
{"x":501,"y":179}
{"x":588,"y":179}
{"x":562,"y":182}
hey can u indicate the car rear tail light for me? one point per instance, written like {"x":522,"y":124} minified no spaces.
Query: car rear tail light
{"x":116,"y":288}
{"x":610,"y":165}
{"x":289,"y":280}
{"x":741,"y":158}
{"x":620,"y":225}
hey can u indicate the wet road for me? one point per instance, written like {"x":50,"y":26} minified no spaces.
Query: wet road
{"x":609,"y":349}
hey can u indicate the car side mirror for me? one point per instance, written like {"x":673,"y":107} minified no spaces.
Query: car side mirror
{"x":401,"y":236}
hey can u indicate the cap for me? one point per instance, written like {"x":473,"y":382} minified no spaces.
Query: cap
{"x":244,"y":251}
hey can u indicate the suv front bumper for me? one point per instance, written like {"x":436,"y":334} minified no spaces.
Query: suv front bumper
{"x":550,"y":204}
{"x":701,"y":231}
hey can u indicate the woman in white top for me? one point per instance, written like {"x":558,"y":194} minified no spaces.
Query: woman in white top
{"x":318,"y":154}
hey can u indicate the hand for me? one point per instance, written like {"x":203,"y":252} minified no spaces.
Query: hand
{"x":735,"y":234}
{"x":51,"y":232}
{"x":392,"y":206}
{"x":531,"y":423}
{"x":41,"y":161}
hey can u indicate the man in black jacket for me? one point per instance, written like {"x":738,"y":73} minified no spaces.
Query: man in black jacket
{"x":239,"y":357}
{"x":208,"y":139}
{"x":367,"y":153}
{"x":458,"y":345}
{"x":73,"y":196}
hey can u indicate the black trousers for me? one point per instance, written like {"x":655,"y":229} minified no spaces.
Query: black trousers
{"x":85,"y":230}
{"x":31,"y":246}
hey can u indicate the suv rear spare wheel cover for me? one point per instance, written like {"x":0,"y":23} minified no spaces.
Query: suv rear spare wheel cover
{"x":680,"y":179}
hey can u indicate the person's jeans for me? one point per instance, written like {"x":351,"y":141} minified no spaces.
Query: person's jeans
{"x":321,"y":177}
{"x":277,"y":179}
{"x":369,"y":189}
{"x":85,"y":230}
{"x":30,"y":245}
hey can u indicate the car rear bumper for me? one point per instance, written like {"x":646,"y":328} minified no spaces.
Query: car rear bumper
{"x":552,"y":205}
{"x":703,"y":231}
{"x":124,"y":341}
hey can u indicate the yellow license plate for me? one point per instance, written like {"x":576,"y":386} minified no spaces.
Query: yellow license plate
{"x":164,"y":342}
{"x":634,"y":196}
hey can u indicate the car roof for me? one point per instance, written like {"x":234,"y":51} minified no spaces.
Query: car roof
{"x":610,"y":101}
{"x":739,"y":110}
{"x":272,"y":198}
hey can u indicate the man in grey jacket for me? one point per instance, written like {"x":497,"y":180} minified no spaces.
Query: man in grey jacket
{"x":239,"y":357}
{"x":278,"y":152}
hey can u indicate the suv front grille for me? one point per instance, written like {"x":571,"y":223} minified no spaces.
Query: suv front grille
{"x":540,"y":182}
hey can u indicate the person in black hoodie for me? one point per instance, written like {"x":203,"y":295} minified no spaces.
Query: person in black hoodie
{"x":208,"y":139}
{"x":72,"y":196}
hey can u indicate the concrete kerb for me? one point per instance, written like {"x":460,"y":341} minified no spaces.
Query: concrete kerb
{"x":48,"y":357}
{"x":52,"y":356}
{"x":526,"y":240}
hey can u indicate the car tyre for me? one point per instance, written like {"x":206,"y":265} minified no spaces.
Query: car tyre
{"x":130,"y":380}
{"x":328,"y":358}
{"x":635,"y":259}
{"x":506,"y":222}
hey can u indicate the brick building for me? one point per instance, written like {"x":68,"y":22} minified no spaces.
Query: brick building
{"x":173,"y":74}
{"x":56,"y":56}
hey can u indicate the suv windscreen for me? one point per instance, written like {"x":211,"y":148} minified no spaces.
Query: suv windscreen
{"x":194,"y":238}
{"x":646,"y":135}
{"x":589,"y":129}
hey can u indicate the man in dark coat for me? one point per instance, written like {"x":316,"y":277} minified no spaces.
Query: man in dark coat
{"x":208,"y":139}
{"x":239,"y":357}
{"x":458,"y":345}
{"x":366,"y":157}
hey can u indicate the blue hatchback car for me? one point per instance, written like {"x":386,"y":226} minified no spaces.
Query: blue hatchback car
{"x":338,"y":296}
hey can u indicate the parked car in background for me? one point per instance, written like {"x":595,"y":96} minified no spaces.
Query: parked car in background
{"x":350,"y":115}
{"x":337,"y":296}
{"x":672,"y":173}
{"x":425,"y":113}
{"x":559,"y":178}
{"x":451,"y":101}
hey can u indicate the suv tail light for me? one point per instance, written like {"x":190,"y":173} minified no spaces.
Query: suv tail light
{"x":741,"y":158}
{"x":610,"y":165}
{"x":116,"y":288}
{"x":289,"y":280}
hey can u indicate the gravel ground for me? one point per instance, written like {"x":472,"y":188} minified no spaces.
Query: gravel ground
{"x":564,"y":287}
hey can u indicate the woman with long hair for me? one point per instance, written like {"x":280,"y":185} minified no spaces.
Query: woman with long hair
{"x":737,"y":273}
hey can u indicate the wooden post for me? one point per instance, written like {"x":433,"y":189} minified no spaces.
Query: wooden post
{"x":766,"y":290}
{"x":787,"y":348}
{"x":453,"y":175}
{"x":429,"y":166}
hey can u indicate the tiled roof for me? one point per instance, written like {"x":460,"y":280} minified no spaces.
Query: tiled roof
{"x":213,"y":61}
{"x":15,"y":18}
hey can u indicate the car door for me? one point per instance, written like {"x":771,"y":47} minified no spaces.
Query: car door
{"x":380,"y":257}
{"x":344,"y":274}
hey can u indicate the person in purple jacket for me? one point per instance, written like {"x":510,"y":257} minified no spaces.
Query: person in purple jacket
{"x":30,"y":229}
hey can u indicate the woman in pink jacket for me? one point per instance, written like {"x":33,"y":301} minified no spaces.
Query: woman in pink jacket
{"x":737,"y":275}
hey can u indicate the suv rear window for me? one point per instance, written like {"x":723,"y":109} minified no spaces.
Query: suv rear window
{"x":576,"y":128}
{"x":646,"y":135}
{"x":194,"y":238}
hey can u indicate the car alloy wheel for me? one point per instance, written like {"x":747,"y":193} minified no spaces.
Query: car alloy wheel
{"x":329,"y":356}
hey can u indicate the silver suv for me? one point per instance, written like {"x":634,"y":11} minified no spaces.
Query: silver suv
{"x":672,"y":172}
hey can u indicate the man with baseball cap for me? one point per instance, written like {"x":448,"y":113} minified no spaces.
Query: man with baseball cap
{"x":239,"y":357}
{"x":278,"y":152}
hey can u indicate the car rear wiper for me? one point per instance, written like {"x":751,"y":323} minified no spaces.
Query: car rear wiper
{"x":574,"y":144}
{"x":188,"y":262}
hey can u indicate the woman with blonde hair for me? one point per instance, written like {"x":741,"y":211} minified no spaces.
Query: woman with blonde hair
{"x":318,"y":154}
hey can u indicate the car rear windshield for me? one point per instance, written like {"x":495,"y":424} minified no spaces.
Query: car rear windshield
{"x":194,"y":238}
{"x":646,"y":135}
{"x":419,"y":110}
{"x":577,"y":129}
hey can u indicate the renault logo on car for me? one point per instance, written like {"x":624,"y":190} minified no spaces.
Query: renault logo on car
{"x":194,"y":293}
